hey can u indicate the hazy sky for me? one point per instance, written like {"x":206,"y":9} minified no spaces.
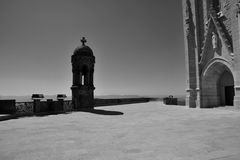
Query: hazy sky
{"x":138,"y":45}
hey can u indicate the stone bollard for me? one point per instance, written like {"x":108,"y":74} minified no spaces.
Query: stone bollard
{"x":170,"y":100}
{"x":36,"y":102}
{"x":60,"y":98}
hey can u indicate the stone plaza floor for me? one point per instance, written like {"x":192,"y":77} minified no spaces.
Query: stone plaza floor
{"x":147,"y":131}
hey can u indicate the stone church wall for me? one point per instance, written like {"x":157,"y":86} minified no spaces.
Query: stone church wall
{"x":212,"y":42}
{"x":227,"y":7}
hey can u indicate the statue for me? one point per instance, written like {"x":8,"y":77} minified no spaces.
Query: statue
{"x":214,"y":40}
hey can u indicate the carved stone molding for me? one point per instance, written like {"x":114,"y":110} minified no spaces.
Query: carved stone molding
{"x":237,"y":8}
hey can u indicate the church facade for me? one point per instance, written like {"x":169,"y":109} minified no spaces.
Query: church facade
{"x":212,"y":51}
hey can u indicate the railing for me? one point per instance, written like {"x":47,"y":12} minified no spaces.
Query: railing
{"x":24,"y":107}
{"x":36,"y":106}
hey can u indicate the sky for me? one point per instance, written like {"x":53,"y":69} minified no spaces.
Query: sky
{"x":138,"y":45}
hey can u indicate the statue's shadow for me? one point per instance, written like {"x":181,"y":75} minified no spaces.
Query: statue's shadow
{"x":102,"y":112}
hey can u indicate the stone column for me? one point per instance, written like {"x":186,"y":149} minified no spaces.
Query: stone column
{"x":236,"y":55}
{"x":75,"y":96}
{"x":191,"y":54}
{"x":91,"y":77}
{"x":80,"y":78}
{"x":76,"y":77}
{"x":206,"y":6}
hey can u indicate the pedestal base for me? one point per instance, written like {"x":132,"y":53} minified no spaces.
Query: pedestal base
{"x":237,"y":102}
{"x":193,"y":99}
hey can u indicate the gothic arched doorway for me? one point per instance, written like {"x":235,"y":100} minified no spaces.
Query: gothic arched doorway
{"x":217,"y":86}
{"x":226,"y":85}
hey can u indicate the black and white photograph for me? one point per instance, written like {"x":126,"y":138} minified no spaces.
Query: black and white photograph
{"x":119,"y":80}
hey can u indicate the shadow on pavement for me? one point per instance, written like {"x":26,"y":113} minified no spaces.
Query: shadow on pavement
{"x":102,"y":112}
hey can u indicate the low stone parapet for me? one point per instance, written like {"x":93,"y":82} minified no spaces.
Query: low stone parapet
{"x":49,"y":106}
{"x":119,"y":101}
{"x":24,"y":107}
{"x":34,"y":107}
{"x":7,"y":106}
{"x":170,"y":100}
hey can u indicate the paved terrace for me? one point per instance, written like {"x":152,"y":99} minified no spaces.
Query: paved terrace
{"x":147,"y":131}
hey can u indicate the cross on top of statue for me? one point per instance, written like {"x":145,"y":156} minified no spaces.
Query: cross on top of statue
{"x":83,"y":40}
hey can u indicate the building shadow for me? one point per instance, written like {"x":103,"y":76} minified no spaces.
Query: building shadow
{"x":102,"y":112}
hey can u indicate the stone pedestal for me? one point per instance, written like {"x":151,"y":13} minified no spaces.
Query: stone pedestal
{"x":193,"y":98}
{"x":237,"y":97}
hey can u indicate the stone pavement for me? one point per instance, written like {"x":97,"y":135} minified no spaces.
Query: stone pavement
{"x":147,"y":131}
